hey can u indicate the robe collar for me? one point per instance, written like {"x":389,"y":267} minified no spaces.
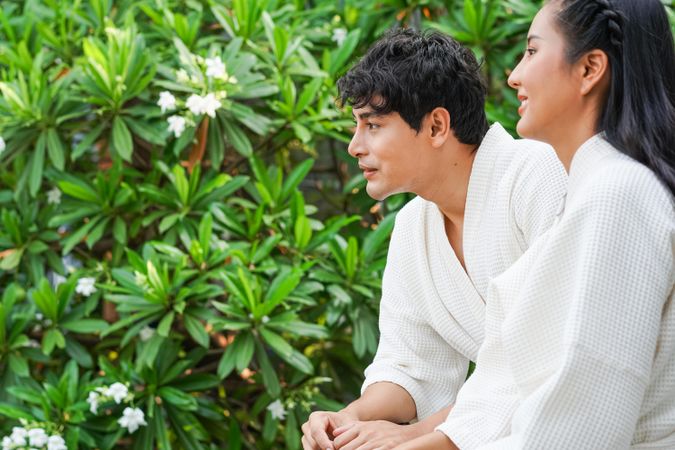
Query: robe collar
{"x":585,"y":162}
{"x":480,"y":182}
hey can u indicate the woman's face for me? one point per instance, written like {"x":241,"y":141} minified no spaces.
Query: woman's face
{"x":547,"y":90}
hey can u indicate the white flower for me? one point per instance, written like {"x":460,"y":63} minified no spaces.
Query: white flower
{"x":85,"y":286}
{"x":7,"y":443}
{"x":176,"y":125}
{"x":54,"y":196}
{"x":69,"y":261}
{"x":339,"y":36}
{"x":131,"y":419}
{"x":211,"y":103}
{"x":182,"y":76}
{"x":265,"y":319}
{"x":93,"y":401}
{"x":146,"y":334}
{"x":57,"y":279}
{"x":37,"y":437}
{"x":118,"y":392}
{"x":56,"y":442}
{"x":2,"y":144}
{"x":194,"y":103}
{"x":19,"y":435}
{"x":277,"y":410}
{"x":215,"y":68}
{"x":166,"y":101}
{"x":203,"y":105}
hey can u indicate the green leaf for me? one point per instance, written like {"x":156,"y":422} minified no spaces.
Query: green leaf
{"x":244,"y":350}
{"x":270,"y":379}
{"x":87,"y":142}
{"x":164,"y":326}
{"x":178,"y":398}
{"x":78,"y":352}
{"x":196,"y":329}
{"x":121,"y":139}
{"x":292,"y":433}
{"x":301,"y":132}
{"x":284,"y":283}
{"x":339,"y":58}
{"x":372,"y":242}
{"x":120,"y":231}
{"x":227,"y":361}
{"x":13,"y":412}
{"x":55,"y":148}
{"x":11,"y":258}
{"x":36,"y":165}
{"x":302,"y":232}
{"x":18,"y":365}
{"x":238,"y":138}
{"x":286,"y":351}
{"x":294,"y":179}
{"x":79,"y":189}
{"x":85,"y":325}
{"x":308,"y":94}
{"x":52,"y":338}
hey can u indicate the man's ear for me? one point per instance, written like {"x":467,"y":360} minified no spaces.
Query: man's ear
{"x":439,"y":126}
{"x":593,"y":68}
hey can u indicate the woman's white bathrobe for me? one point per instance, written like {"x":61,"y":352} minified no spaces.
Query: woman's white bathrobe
{"x":431,"y":312}
{"x":579,"y":351}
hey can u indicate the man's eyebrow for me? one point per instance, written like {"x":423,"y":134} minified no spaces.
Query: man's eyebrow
{"x":531,"y":37}
{"x":367,"y":115}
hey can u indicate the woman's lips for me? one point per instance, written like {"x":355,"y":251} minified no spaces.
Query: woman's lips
{"x":523,"y":104}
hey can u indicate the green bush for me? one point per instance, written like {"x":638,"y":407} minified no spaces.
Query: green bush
{"x":188,"y":258}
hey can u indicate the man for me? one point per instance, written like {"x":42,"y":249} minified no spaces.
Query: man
{"x":483,"y":198}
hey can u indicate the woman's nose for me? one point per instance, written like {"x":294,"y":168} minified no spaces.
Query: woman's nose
{"x":514,"y":78}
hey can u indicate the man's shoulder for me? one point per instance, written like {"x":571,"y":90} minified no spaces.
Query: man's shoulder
{"x":410,"y":213}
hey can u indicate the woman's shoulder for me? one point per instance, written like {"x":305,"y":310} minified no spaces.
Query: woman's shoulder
{"x":621,"y":185}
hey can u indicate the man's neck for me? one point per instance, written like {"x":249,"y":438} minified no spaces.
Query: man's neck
{"x":448,"y":182}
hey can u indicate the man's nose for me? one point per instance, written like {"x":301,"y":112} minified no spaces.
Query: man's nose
{"x":355,"y":145}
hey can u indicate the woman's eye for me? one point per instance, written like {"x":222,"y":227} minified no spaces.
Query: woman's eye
{"x":530,"y":51}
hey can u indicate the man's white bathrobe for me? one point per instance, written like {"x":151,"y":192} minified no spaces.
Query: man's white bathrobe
{"x":579,"y":351}
{"x":432,"y":312}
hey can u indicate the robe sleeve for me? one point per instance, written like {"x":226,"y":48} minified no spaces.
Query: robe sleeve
{"x":583,"y":335}
{"x":410,"y":352}
{"x":538,"y":193}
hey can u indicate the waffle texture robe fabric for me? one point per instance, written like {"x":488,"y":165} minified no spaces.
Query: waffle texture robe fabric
{"x":432,"y":312}
{"x":579,"y":351}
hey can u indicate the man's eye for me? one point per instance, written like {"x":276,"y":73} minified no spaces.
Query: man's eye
{"x":372,"y":126}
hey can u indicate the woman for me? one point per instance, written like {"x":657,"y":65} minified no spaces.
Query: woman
{"x":579,"y":349}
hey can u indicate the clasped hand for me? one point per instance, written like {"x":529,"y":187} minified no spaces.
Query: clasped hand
{"x":340,"y":431}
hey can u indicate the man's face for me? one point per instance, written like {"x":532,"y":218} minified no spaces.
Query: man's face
{"x":389,"y":152}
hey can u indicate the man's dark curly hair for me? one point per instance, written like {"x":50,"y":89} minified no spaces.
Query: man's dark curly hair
{"x":412,"y":73}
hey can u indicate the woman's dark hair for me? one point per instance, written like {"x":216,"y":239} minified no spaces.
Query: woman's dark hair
{"x":639,"y":115}
{"x":412,"y":73}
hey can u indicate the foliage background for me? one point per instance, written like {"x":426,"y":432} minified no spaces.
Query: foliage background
{"x":237,"y":266}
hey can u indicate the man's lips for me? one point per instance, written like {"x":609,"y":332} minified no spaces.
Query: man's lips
{"x":368,"y":172}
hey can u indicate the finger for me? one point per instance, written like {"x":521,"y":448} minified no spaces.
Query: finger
{"x":348,"y":435}
{"x":354,"y":444}
{"x":319,"y":435}
{"x":306,"y":444}
{"x":338,"y":431}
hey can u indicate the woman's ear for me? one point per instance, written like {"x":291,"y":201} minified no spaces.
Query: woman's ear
{"x":594,"y":66}
{"x":439,"y":126}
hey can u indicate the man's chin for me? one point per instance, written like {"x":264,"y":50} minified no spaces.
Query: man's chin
{"x":375,"y":193}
